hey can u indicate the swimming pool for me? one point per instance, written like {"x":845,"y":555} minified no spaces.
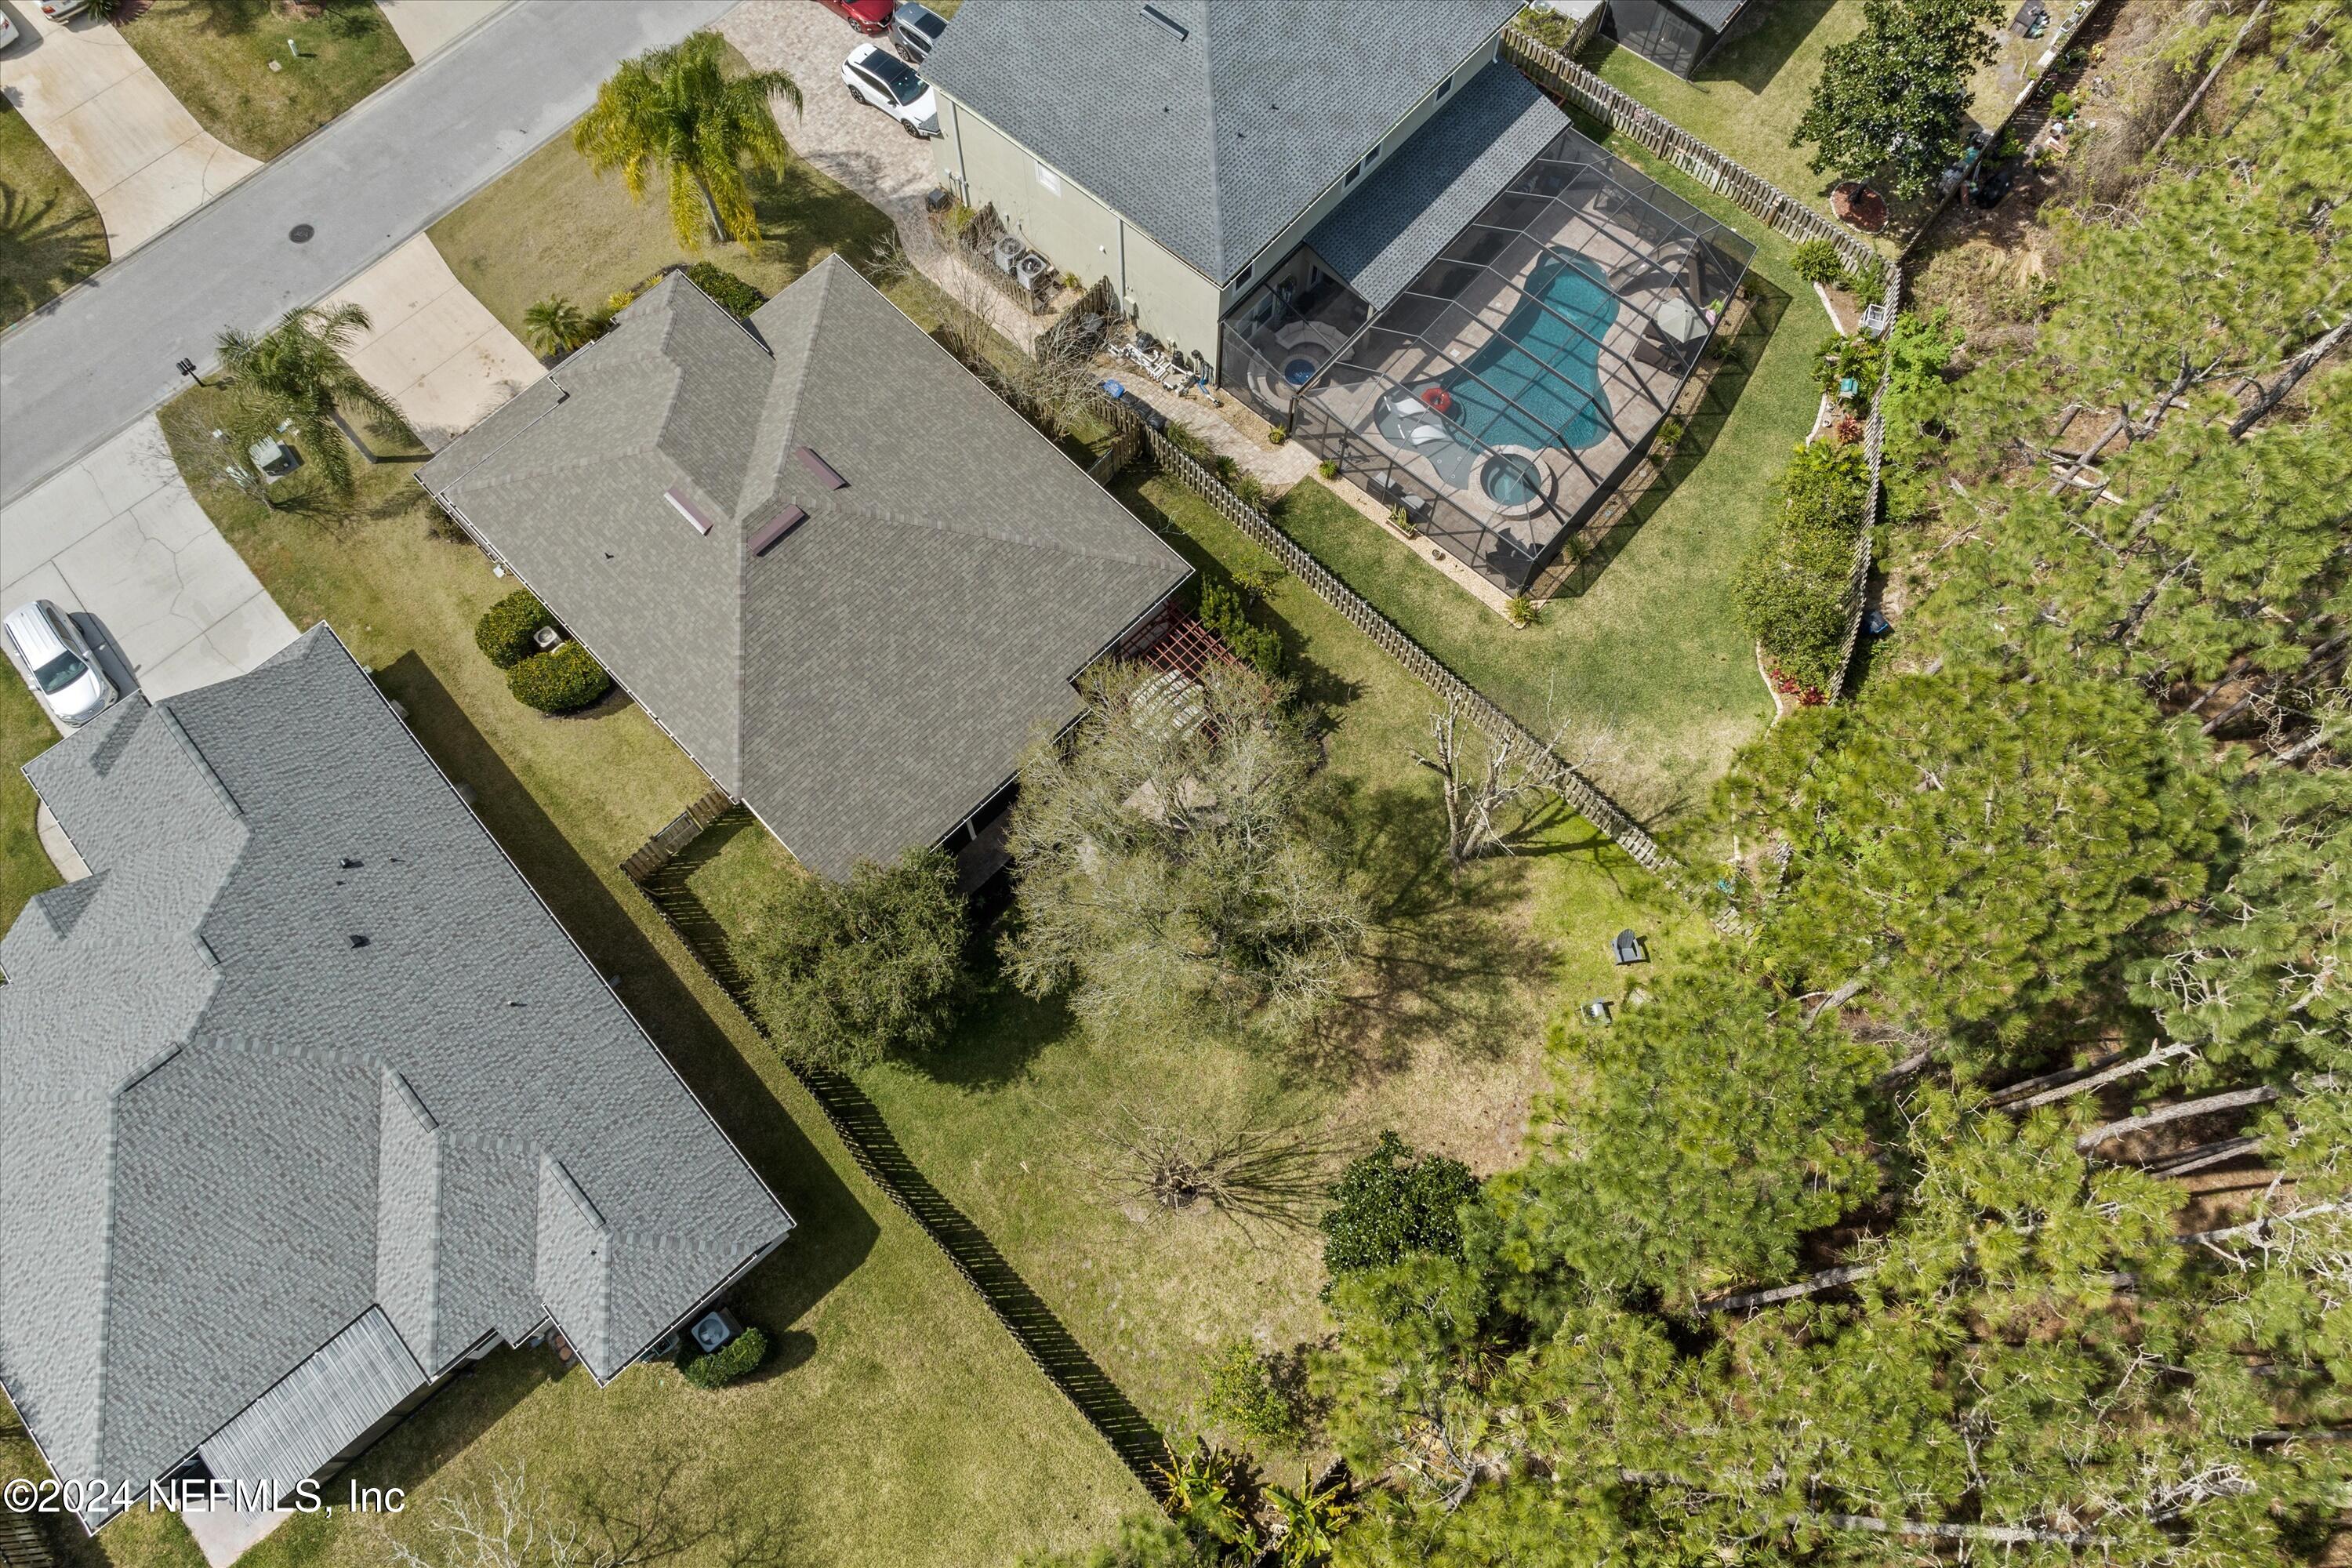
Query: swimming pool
{"x":1537,"y":383}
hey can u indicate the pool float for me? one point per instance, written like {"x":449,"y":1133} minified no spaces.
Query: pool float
{"x":1437,"y":398}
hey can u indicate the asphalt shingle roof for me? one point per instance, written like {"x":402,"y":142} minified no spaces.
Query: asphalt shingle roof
{"x":872,"y":678}
{"x":305,"y":1043}
{"x":1214,"y":128}
{"x":1428,"y":190}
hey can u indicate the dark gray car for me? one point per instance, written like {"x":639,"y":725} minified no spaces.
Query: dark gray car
{"x":916,"y":30}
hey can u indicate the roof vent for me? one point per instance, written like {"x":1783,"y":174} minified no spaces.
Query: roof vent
{"x":686,"y":510}
{"x":820,"y":468}
{"x":775,"y":527}
{"x":358,"y":940}
{"x":1167,"y":21}
{"x":351,"y":863}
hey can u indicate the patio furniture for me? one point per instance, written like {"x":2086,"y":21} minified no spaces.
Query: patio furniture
{"x":1626,"y":948}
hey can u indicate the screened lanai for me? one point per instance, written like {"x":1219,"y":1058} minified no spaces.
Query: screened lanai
{"x":1517,"y":371}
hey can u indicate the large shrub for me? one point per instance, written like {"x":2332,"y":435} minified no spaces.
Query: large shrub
{"x":561,"y":681}
{"x":1227,"y":619}
{"x":505,"y":628}
{"x":725,"y":288}
{"x":1817,"y":262}
{"x":845,"y":973}
{"x":730,"y":1363}
{"x":1392,"y":1203}
{"x":1257,"y":1396}
{"x":1790,"y":589}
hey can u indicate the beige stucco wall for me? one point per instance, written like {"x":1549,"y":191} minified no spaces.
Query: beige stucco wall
{"x":1080,"y":232}
{"x":1074,"y":228}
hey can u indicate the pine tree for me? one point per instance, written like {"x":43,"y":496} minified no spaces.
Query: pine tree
{"x":1970,"y":847}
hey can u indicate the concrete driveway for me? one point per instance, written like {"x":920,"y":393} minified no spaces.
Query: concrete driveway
{"x":428,"y":25}
{"x":118,"y":536}
{"x":862,"y":147}
{"x":433,"y":348}
{"x":114,"y":125}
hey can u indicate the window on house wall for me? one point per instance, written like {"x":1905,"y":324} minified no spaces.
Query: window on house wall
{"x":1352,"y":173}
{"x":1244,"y":275}
{"x":1445,"y":87}
{"x":1050,"y":180}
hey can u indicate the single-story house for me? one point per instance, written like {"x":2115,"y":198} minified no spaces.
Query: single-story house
{"x":1179,"y":147}
{"x":307,"y":1100}
{"x":847,"y":578}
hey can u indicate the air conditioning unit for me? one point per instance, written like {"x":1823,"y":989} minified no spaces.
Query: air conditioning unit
{"x":1030,"y":269}
{"x":1006,"y":252}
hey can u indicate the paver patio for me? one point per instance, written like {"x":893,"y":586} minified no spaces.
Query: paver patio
{"x":860,"y":146}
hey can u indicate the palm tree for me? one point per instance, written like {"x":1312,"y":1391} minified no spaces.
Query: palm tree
{"x":676,"y":109}
{"x":557,"y":326}
{"x":296,"y":370}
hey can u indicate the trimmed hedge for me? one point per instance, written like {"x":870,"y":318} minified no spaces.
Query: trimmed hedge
{"x":730,"y":1363}
{"x":725,"y":288}
{"x":1790,"y":589}
{"x":563,"y":681}
{"x":505,"y":628}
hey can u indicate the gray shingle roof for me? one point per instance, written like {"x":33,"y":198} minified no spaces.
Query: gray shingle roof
{"x":1425,"y":194}
{"x":871,"y":678}
{"x":1212,"y":140}
{"x":226,"y":1130}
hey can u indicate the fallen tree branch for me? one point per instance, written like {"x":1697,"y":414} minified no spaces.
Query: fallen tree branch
{"x":2206,"y":85}
{"x":1813,"y":1285}
{"x":2232,"y":1101}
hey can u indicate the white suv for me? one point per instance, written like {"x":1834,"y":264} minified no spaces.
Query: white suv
{"x":58,"y":664}
{"x":876,"y":76}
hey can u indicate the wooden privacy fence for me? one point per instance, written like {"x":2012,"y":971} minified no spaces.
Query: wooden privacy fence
{"x":682,"y":830}
{"x":22,"y":1544}
{"x":1724,"y":175}
{"x":876,"y":1152}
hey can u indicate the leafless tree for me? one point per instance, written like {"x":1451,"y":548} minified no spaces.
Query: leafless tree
{"x":1484,"y":771}
{"x":656,"y":1510}
{"x":1257,"y":1166}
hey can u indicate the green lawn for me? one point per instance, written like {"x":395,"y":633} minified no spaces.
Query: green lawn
{"x":216,"y":58}
{"x":549,"y":226}
{"x":1645,"y":645}
{"x":1749,"y":93}
{"x":50,"y":235}
{"x":1016,"y":1122}
{"x":901,"y":1426}
{"x":25,"y":734}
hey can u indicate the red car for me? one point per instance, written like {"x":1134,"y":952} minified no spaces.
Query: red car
{"x":871,"y":17}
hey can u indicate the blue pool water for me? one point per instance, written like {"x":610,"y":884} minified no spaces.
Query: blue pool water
{"x":1513,"y":364}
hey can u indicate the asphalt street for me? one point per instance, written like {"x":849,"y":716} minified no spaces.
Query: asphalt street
{"x":104,"y":355}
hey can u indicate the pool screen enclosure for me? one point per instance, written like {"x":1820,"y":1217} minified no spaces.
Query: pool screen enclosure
{"x":1509,"y":384}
